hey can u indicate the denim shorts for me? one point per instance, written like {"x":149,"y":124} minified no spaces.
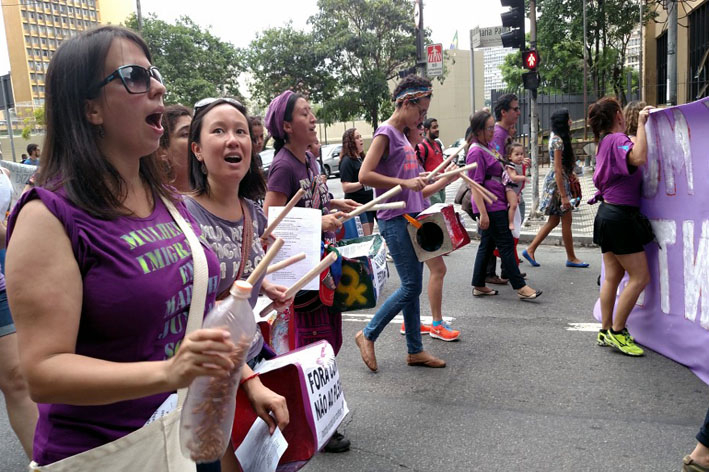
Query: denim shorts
{"x":7,"y":326}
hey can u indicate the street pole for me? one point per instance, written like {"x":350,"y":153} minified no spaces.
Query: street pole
{"x":534,"y":131}
{"x":420,"y":59}
{"x":139,"y":16}
{"x":585,"y":75}
{"x":641,"y":88}
{"x":472,"y":75}
{"x":672,"y":53}
{"x":8,"y":117}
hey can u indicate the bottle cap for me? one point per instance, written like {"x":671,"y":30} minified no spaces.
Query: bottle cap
{"x":241,"y":288}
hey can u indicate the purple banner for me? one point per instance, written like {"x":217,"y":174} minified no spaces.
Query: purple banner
{"x":672,"y":314}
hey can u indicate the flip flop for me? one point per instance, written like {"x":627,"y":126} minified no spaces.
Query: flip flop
{"x":529,"y":297}
{"x":534,"y":263}
{"x":481,"y":293}
{"x":576,"y":264}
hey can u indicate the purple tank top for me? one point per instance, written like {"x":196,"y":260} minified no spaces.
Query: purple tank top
{"x":400,"y":162}
{"x":137,"y":287}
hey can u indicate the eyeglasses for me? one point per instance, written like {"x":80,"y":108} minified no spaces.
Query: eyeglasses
{"x":490,"y":128}
{"x":136,"y":79}
{"x":419,"y":126}
{"x":205,"y":102}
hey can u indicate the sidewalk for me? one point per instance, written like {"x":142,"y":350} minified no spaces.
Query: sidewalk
{"x":582,"y":225}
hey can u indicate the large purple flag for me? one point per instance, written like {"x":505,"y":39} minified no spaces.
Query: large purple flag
{"x":672,"y":314}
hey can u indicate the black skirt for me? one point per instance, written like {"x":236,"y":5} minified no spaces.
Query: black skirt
{"x":621,"y":229}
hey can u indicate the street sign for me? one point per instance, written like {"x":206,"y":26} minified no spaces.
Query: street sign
{"x":530,"y":59}
{"x":434,"y":60}
{"x":488,"y":37}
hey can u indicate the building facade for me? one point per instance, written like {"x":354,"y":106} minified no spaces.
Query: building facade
{"x":494,"y":58}
{"x":692,"y":53}
{"x":34,"y":29}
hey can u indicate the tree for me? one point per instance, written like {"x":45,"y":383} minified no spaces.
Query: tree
{"x":194,"y":63}
{"x":36,"y":119}
{"x":368,"y":43}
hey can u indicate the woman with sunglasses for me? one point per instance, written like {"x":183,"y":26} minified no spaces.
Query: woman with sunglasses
{"x":102,"y":344}
{"x":493,"y":221}
{"x":225,"y":180}
{"x":291,"y":122}
{"x":391,"y":161}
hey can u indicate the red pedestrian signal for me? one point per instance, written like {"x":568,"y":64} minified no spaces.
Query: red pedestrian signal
{"x":530,"y":59}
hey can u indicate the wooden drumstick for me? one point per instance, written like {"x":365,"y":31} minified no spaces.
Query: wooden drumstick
{"x":458,"y":171}
{"x":285,"y":263}
{"x":289,"y":206}
{"x":263,"y":265}
{"x":368,"y":206}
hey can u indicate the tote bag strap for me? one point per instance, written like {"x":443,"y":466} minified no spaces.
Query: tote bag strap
{"x":199,"y":283}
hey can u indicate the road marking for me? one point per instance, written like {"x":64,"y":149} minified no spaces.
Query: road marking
{"x":366,"y":317}
{"x":583,"y":327}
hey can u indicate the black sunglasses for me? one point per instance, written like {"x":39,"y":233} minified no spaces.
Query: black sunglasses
{"x":136,"y":79}
{"x":205,"y":102}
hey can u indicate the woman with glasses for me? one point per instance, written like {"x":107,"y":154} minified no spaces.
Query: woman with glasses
{"x":291,"y":122}
{"x":96,"y":264}
{"x":392,"y":161}
{"x":225,"y":180}
{"x":556,"y":199}
{"x":492,"y":217}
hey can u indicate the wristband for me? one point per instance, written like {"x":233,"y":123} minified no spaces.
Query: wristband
{"x":243,"y":381}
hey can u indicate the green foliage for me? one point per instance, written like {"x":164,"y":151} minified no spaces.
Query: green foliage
{"x":33,"y":121}
{"x":194,"y":63}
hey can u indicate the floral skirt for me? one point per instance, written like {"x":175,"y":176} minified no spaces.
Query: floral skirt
{"x":551,"y":200}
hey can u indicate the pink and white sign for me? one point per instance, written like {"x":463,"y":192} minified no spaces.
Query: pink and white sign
{"x":672,"y":314}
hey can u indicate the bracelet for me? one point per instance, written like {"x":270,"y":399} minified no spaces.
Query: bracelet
{"x":243,"y":381}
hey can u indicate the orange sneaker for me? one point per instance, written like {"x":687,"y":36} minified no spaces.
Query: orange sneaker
{"x":425,"y":329}
{"x":444,"y":332}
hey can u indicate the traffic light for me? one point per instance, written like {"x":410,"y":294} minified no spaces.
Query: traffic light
{"x":514,"y":19}
{"x":530,"y":59}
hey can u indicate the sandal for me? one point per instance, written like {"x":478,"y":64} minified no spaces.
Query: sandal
{"x":529,"y":297}
{"x":484,"y":293}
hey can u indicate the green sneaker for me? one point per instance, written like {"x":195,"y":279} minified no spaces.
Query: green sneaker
{"x":601,"y":339}
{"x":624,"y":343}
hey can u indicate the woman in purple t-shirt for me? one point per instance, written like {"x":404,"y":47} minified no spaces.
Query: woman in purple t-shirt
{"x":619,"y":228}
{"x":493,"y":221}
{"x":392,"y":161}
{"x":98,"y":273}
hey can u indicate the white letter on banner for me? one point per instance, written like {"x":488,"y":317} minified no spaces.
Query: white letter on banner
{"x":682,"y":137}
{"x":666,"y":234}
{"x":651,"y":170}
{"x":696,"y":273}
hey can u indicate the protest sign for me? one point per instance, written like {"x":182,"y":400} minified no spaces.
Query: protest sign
{"x":19,"y":175}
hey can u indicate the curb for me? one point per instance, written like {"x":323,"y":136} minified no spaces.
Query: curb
{"x":551,"y":240}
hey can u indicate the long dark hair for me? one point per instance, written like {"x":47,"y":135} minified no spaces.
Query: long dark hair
{"x":560,"y":127}
{"x":349,"y":146}
{"x":252,"y":186}
{"x":601,"y":116}
{"x":278,"y":143}
{"x":71,"y":158}
{"x":477,"y":123}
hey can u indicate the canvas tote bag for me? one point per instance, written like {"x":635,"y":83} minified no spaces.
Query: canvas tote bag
{"x":156,"y":446}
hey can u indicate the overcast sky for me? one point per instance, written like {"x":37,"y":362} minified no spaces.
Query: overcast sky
{"x":239,"y":21}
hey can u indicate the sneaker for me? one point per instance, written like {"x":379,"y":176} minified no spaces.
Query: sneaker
{"x":601,"y":339}
{"x":444,"y":332}
{"x":337,"y":443}
{"x":424,"y":328}
{"x":624,"y":343}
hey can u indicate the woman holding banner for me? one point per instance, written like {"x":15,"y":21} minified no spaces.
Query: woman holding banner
{"x":103,"y":344}
{"x":619,"y":228}
{"x":291,"y":122}
{"x":392,"y":161}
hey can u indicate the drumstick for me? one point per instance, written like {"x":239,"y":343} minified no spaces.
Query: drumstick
{"x":293,"y":201}
{"x":458,"y":171}
{"x":263,"y":265}
{"x":312,"y":273}
{"x":440,"y":167}
{"x":285,"y":263}
{"x":367,"y":206}
{"x":416,"y":223}
{"x":476,"y":187}
{"x":388,"y":206}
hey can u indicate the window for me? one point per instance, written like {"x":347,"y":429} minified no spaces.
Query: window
{"x":699,"y":53}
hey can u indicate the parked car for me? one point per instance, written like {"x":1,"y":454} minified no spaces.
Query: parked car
{"x":266,"y":160}
{"x":331,"y":159}
{"x":461,"y":156}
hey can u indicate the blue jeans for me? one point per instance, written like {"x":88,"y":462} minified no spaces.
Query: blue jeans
{"x":703,"y":435}
{"x":498,"y":235}
{"x":406,"y":298}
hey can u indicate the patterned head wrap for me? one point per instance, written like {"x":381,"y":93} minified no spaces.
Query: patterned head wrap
{"x":276,"y":114}
{"x":414,"y":93}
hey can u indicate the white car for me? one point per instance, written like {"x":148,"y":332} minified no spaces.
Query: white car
{"x":461,"y":157}
{"x":331,"y":159}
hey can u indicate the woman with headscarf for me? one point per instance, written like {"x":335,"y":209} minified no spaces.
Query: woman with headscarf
{"x":291,"y":122}
{"x":556,"y":200}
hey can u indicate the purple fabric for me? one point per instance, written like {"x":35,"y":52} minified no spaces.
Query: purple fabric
{"x":287,"y":175}
{"x":488,"y":166}
{"x":226,"y":238}
{"x":137,"y":286}
{"x":672,"y":315}
{"x":616,"y":180}
{"x":276,"y":113}
{"x":400,"y":162}
{"x":498,"y":139}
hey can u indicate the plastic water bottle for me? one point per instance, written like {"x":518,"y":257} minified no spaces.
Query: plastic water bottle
{"x":208,"y":413}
